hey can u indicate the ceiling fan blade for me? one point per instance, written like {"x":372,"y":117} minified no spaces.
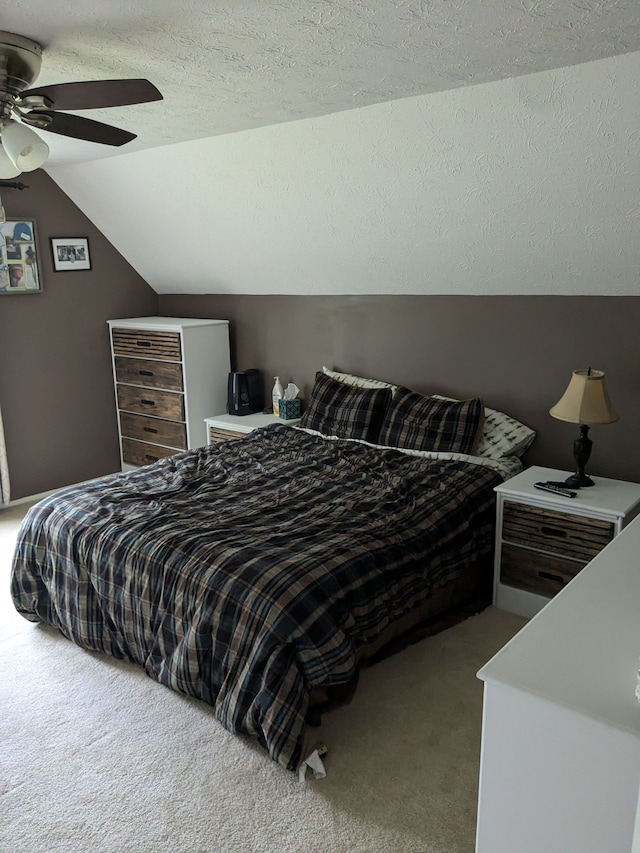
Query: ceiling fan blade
{"x":96,"y":94}
{"x":78,"y":127}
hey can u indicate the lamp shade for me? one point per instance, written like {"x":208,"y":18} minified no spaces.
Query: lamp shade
{"x":586,"y":400}
{"x":23,"y":146}
{"x":7,"y":169}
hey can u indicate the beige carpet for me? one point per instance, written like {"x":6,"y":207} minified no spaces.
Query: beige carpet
{"x":98,"y":758}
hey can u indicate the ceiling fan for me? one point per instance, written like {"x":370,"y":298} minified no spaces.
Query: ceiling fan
{"x":22,"y":108}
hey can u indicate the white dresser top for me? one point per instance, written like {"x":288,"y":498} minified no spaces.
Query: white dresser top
{"x":582,"y":650}
{"x":247,"y":423}
{"x":163,"y":324}
{"x":616,"y":498}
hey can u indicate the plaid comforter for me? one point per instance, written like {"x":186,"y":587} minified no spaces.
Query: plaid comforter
{"x":247,"y":573}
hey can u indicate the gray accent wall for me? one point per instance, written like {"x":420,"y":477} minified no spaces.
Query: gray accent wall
{"x":516,"y":352}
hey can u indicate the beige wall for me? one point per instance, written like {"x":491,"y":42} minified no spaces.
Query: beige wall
{"x":56,"y":387}
{"x":517,"y":352}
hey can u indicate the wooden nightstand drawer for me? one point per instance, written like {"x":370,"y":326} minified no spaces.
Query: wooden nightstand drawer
{"x":559,"y":532}
{"x":217,"y":434}
{"x":150,"y":401}
{"x":224,"y":427}
{"x":141,"y":453}
{"x":147,"y":343}
{"x":156,"y":430}
{"x":544,"y":574}
{"x":543,"y":540}
{"x":152,"y":374}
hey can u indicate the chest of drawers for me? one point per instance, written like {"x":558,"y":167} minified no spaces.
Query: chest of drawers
{"x":169,"y":373}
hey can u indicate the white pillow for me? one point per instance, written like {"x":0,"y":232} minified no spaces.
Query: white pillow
{"x":501,"y":435}
{"x":359,"y":381}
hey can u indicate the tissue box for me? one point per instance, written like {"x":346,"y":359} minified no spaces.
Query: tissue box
{"x":289,"y":409}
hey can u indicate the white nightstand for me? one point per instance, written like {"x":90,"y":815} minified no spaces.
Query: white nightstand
{"x":543,"y":540}
{"x":224,"y":427}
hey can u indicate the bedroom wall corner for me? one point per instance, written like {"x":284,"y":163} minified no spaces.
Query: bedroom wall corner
{"x":56,"y":383}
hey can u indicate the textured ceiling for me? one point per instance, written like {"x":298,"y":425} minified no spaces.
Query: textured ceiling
{"x":233,"y":66}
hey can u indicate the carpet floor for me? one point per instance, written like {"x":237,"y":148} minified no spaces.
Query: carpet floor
{"x":98,"y":758}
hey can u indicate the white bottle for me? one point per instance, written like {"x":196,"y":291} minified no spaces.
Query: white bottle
{"x":277,"y":394}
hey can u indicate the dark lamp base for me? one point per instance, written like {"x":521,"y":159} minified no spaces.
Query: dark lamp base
{"x":581,"y":453}
{"x":578,"y":481}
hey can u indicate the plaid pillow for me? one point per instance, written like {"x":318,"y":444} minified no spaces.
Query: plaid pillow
{"x":345,"y":410}
{"x":502,"y":435}
{"x":416,"y":422}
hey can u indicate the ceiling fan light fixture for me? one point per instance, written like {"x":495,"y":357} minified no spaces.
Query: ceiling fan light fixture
{"x":24,"y":148}
{"x":7,"y":169}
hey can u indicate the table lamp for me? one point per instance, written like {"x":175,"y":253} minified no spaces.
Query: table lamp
{"x":585,"y":402}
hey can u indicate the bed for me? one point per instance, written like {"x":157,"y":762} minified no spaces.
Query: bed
{"x":259,"y":574}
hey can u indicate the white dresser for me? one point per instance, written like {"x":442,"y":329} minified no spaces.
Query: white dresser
{"x":169,"y":374}
{"x":560,"y":760}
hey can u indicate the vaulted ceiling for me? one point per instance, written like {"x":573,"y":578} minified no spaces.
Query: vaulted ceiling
{"x":358,"y":146}
{"x":230,"y":66}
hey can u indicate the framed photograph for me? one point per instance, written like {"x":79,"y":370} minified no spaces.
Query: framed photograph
{"x":19,"y":271}
{"x":70,"y":253}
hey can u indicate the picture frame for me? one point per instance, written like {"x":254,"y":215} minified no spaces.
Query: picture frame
{"x":70,"y":254}
{"x":19,"y":267}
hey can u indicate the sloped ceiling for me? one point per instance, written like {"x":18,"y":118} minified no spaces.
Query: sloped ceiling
{"x":359,"y":146}
{"x":233,"y":66}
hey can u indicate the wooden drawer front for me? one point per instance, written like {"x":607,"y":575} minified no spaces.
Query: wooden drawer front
{"x":558,"y":532}
{"x":535,"y":572}
{"x":171,"y":433}
{"x":152,"y":374}
{"x":147,"y":343}
{"x":150,"y":401}
{"x":142,"y":453}
{"x":218,"y":434}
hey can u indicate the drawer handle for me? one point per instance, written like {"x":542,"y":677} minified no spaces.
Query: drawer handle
{"x":147,"y":402}
{"x":149,"y":429}
{"x":554,"y":531}
{"x":144,"y":343}
{"x":145,"y":372}
{"x":550,"y":577}
{"x":152,"y":458}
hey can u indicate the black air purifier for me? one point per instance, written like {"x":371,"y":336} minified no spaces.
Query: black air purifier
{"x":245,"y":392}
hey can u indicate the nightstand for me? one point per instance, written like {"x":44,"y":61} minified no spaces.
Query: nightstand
{"x":224,"y":427}
{"x":543,"y":540}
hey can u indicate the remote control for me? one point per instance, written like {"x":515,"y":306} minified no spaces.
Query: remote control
{"x":557,"y":490}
